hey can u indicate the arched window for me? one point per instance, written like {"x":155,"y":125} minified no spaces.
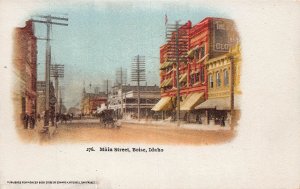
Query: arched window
{"x":211,"y":81}
{"x":218,"y":79}
{"x":226,"y":79}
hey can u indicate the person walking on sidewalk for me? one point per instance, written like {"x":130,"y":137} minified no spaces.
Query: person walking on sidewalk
{"x":26,"y":120}
{"x":32,"y":121}
{"x":223,"y":122}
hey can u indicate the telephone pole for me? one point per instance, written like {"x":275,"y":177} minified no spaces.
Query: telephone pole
{"x":232,"y":92}
{"x":48,"y":20}
{"x":177,"y":46}
{"x":121,"y":76}
{"x":56,"y":71}
{"x":106,"y":83}
{"x":138,"y":74}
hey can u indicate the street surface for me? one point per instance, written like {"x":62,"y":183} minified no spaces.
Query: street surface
{"x":88,"y":131}
{"x":84,"y":131}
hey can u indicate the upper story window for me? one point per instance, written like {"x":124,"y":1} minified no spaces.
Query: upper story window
{"x":211,"y":81}
{"x":202,"y":51}
{"x":202,"y":74}
{"x":218,"y":79}
{"x":197,"y":77}
{"x":226,"y":79}
{"x":196,"y":55}
{"x":192,"y":77}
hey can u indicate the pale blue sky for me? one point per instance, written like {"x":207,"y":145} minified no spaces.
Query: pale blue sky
{"x":98,"y":40}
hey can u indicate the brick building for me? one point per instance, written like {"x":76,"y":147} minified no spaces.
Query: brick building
{"x":149,"y":96}
{"x":25,"y":70}
{"x":91,"y":101}
{"x":210,"y":38}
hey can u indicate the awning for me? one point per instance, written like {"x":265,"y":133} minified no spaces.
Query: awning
{"x":191,"y":101}
{"x":168,"y":82}
{"x":203,"y":58}
{"x":165,"y":65}
{"x":183,"y":78}
{"x":162,"y":83}
{"x":220,"y":103}
{"x":191,"y":52}
{"x":164,"y":103}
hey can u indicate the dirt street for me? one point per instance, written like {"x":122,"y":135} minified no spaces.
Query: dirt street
{"x":91,"y":131}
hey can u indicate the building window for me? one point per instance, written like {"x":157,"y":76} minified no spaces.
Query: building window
{"x":23,"y":104}
{"x":218,"y":79}
{"x":202,"y":51}
{"x":192,"y":79}
{"x":211,"y":81}
{"x":196,"y":54}
{"x":226,"y":80}
{"x":197,"y":77}
{"x":202,"y":74}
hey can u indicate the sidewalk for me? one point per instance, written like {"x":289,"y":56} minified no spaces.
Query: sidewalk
{"x":183,"y":125}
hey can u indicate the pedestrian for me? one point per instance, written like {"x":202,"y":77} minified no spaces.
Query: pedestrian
{"x":223,"y":122}
{"x":38,"y":117}
{"x":32,"y":121}
{"x":26,"y":120}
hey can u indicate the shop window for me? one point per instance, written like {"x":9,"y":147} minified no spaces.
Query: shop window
{"x":211,"y":81}
{"x":226,"y":79}
{"x":218,"y":79}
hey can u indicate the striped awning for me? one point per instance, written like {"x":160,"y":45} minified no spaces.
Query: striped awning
{"x":166,"y":82}
{"x":220,"y":103}
{"x":183,"y":78}
{"x":165,"y":65}
{"x":165,"y":103}
{"x":191,"y":52}
{"x":191,"y":101}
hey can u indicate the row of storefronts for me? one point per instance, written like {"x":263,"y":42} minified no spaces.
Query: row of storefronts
{"x":25,"y":71}
{"x":206,"y":70}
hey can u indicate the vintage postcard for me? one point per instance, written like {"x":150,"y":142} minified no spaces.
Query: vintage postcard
{"x":150,"y":94}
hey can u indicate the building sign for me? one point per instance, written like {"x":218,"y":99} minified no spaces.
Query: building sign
{"x":224,"y":35}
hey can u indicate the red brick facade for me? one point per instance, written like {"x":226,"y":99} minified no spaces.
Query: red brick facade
{"x":209,"y":38}
{"x":25,"y":69}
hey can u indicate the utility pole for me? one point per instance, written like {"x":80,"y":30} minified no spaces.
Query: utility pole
{"x":121,"y":77}
{"x":138,"y":74}
{"x":106,"y":83}
{"x":177,"y":75}
{"x":232,"y":91}
{"x":177,"y":37}
{"x":56,"y":71}
{"x":48,"y":20}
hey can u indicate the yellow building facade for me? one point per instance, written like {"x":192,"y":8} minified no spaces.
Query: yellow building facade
{"x":219,"y":73}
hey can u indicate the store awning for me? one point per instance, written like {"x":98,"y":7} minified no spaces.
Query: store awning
{"x":168,"y":82}
{"x":220,"y":103}
{"x":164,"y":103}
{"x":183,"y":78}
{"x":191,"y":52}
{"x":165,"y":65}
{"x":162,"y":83}
{"x":191,"y":101}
